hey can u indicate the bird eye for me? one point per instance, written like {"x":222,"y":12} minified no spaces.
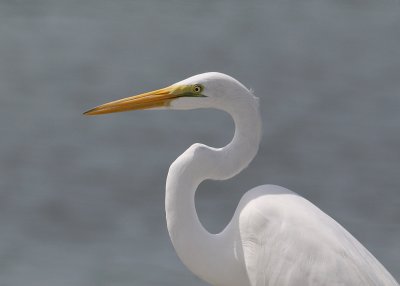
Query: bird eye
{"x":197,"y":88}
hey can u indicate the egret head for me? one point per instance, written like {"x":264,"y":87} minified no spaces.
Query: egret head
{"x":207,"y":90}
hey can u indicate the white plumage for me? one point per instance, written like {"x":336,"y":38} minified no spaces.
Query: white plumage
{"x":289,"y":241}
{"x":275,"y":237}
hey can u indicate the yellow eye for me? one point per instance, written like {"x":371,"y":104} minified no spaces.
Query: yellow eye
{"x":197,"y":88}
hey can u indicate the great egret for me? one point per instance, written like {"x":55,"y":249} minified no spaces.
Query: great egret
{"x":275,"y":237}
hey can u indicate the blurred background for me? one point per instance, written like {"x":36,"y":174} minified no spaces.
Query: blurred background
{"x":82,"y":198}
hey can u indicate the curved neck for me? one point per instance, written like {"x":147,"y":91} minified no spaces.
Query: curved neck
{"x":208,"y":255}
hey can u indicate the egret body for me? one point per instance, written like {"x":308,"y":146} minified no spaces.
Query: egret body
{"x":275,"y":237}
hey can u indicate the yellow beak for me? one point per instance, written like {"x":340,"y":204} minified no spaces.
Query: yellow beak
{"x":158,"y":98}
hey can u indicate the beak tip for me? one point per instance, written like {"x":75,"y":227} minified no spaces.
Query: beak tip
{"x":89,"y":112}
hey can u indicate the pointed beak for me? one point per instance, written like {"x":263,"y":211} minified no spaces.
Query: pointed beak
{"x":153,"y":99}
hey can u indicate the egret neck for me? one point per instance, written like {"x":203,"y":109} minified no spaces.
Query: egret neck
{"x":214,"y":257}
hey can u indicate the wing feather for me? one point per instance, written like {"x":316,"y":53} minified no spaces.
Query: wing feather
{"x":287,"y":240}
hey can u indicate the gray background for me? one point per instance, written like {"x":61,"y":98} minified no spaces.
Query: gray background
{"x":81,"y":199}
